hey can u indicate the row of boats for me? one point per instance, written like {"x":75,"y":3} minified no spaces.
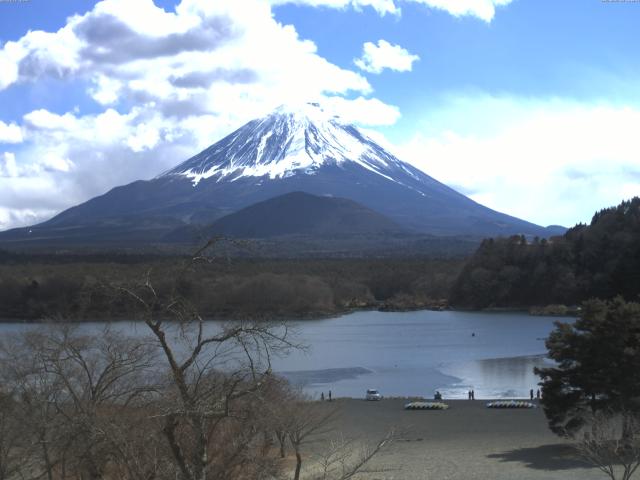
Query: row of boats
{"x":493,"y":404}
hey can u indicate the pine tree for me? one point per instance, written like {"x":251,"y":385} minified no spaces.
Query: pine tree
{"x":597,"y":365}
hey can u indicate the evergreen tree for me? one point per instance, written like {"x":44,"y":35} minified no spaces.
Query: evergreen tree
{"x":597,"y":365}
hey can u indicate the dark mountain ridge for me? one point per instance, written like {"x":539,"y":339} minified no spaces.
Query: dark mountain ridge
{"x":299,"y":213}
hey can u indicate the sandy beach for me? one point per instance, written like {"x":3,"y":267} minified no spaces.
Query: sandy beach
{"x":467,"y":441}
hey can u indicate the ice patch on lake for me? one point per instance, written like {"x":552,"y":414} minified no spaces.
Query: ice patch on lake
{"x":309,"y":378}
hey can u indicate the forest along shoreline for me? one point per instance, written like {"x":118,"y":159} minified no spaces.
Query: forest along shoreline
{"x":549,"y":311}
{"x":77,"y":288}
{"x":80,"y":289}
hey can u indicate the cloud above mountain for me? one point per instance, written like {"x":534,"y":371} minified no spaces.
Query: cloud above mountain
{"x":10,"y":133}
{"x":384,"y":55}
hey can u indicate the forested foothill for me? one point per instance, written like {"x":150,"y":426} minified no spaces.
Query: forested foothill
{"x":599,"y":260}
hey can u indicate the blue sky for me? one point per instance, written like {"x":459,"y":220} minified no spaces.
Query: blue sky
{"x":541,"y":47}
{"x":528,"y":106}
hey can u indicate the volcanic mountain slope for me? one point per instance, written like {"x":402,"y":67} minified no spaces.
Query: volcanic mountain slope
{"x":303,"y":149}
{"x":300,"y":213}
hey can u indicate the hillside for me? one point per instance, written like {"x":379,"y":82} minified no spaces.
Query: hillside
{"x":300,"y":213}
{"x":601,"y":260}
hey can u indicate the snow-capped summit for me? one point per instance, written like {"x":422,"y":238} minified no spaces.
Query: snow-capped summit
{"x":300,"y":149}
{"x":289,"y":141}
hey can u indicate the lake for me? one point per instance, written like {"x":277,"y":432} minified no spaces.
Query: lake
{"x":408,"y":353}
{"x":417,"y":353}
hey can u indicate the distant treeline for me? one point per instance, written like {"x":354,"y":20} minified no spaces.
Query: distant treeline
{"x":8,"y":257}
{"x":85,"y":289}
{"x":600,"y":260}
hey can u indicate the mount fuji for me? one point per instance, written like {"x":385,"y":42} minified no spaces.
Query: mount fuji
{"x":303,"y":149}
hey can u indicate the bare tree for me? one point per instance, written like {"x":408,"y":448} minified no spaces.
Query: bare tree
{"x":13,"y":456}
{"x":213,"y":370}
{"x":611,"y":442}
{"x":305,"y":422}
{"x":278,"y":398}
{"x":299,"y":422}
{"x":101,"y":377}
{"x":80,"y":394}
{"x":344,"y":459}
{"x":33,"y":396}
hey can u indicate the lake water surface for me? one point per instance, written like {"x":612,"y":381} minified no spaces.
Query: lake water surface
{"x":417,"y":353}
{"x":408,"y":353}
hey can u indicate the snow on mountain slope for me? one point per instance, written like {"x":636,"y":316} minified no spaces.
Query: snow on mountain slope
{"x":303,"y":149}
{"x":291,"y":141}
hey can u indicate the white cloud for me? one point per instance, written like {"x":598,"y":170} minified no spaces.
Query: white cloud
{"x":145,"y":137}
{"x":8,"y":65}
{"x":482,"y":9}
{"x":10,"y":133}
{"x":381,"y":6}
{"x":56,"y":163}
{"x":20,"y":217}
{"x":364,"y":111}
{"x":375,"y":58}
{"x":8,"y":166}
{"x":106,"y":90}
{"x":547,"y":161}
{"x":49,"y":162}
{"x":27,"y":198}
{"x":138,"y":54}
{"x":45,"y":120}
{"x":139,"y":130}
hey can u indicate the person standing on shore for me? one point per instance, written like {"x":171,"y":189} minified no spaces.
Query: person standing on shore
{"x":538,"y":394}
{"x":329,"y":395}
{"x":322,"y":396}
{"x":473,"y":394}
{"x":531,"y":393}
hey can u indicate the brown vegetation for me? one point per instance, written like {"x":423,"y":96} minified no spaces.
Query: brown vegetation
{"x":78,"y":290}
{"x":611,"y":443}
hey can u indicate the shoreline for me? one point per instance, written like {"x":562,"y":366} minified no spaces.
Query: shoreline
{"x":350,"y":383}
{"x":303,"y":317}
{"x":465,"y":442}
